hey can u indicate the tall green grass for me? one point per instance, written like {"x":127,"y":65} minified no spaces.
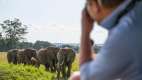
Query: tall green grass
{"x":23,"y":72}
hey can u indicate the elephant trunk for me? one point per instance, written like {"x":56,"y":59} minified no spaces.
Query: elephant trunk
{"x":35,"y":61}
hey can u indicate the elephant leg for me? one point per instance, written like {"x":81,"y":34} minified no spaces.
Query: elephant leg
{"x":52,"y":68}
{"x":54,"y":65}
{"x":69,"y":70}
{"x":15,"y":60}
{"x":47,"y":67}
{"x":27,"y":60}
{"x":19,"y":61}
{"x":58,"y":75}
{"x":64,"y":72}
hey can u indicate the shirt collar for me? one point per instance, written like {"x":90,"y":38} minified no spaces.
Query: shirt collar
{"x":109,"y":21}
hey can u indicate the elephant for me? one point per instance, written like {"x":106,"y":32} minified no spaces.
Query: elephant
{"x":24,"y":56}
{"x":65,"y":57}
{"x":47,"y":57}
{"x":12,"y":56}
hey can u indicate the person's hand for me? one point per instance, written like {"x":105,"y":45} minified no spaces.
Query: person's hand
{"x":87,"y":22}
{"x":75,"y":76}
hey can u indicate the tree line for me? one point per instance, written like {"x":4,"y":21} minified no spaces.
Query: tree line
{"x":12,"y":34}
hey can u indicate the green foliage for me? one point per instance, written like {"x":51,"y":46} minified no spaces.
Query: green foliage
{"x":42,"y":44}
{"x":24,"y":45}
{"x":12,"y":31}
{"x":75,"y":65}
{"x":23,"y":72}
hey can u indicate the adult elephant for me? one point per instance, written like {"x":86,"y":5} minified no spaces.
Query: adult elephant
{"x":65,"y":59}
{"x":47,"y":57}
{"x":24,"y":56}
{"x":12,"y":56}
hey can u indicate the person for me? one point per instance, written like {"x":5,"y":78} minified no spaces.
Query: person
{"x":120,"y":57}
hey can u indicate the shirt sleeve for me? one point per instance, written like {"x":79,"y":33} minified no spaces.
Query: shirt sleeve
{"x":112,"y":60}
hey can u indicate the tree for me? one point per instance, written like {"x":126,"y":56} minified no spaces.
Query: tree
{"x":0,"y":35}
{"x":13,"y":31}
{"x":25,"y":45}
{"x":42,"y":44}
{"x":2,"y":41}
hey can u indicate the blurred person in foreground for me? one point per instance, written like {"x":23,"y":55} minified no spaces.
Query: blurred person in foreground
{"x":120,"y":57}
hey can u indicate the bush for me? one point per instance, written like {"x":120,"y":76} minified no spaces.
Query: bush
{"x":23,"y":72}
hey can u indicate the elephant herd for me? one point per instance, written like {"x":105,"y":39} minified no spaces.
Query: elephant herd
{"x":54,"y":59}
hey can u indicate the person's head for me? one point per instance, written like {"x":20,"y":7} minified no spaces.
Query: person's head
{"x":99,"y":9}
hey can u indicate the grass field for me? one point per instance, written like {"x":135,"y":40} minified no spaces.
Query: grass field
{"x":3,"y":57}
{"x":75,"y":67}
{"x":21,"y":72}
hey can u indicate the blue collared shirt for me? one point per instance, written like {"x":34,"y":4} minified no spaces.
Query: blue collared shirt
{"x":121,"y":55}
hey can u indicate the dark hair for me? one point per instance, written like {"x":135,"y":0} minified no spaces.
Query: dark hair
{"x":92,"y":42}
{"x":110,"y":3}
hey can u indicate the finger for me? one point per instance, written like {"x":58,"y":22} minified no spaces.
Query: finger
{"x":75,"y":76}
